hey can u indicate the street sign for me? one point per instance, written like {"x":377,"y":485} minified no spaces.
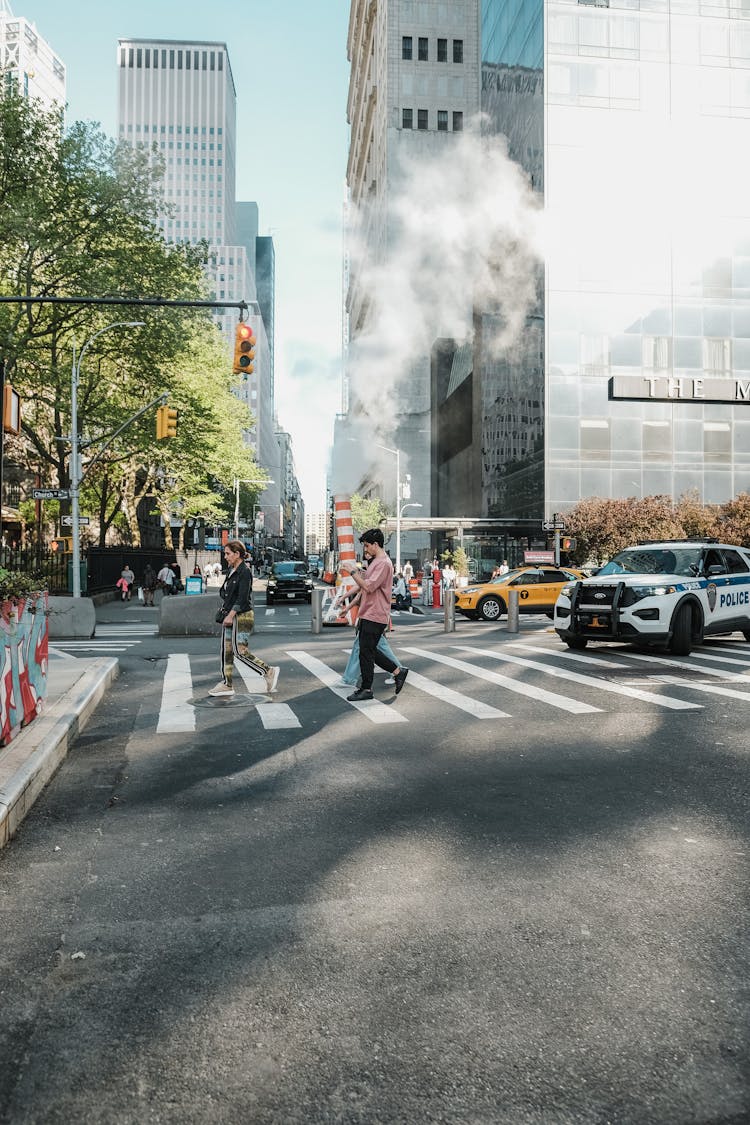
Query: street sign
{"x":67,"y":521}
{"x":553,"y":525}
{"x":50,"y":494}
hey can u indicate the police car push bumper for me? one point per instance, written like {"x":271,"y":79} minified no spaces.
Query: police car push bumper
{"x":616,"y":613}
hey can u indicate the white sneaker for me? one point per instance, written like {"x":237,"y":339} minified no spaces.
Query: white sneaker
{"x":389,"y":680}
{"x":222,"y":690}
{"x":272,"y":677}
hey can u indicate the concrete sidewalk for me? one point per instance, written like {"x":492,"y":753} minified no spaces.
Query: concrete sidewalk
{"x":74,"y":688}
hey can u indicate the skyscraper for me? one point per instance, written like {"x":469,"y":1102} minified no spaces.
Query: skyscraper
{"x":414,"y":84}
{"x":178,"y":98}
{"x":641,"y":136}
{"x":27,"y":62}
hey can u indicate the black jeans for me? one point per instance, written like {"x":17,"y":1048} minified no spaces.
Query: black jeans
{"x":370,"y":633}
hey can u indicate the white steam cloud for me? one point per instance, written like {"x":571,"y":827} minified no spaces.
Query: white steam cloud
{"x":464,"y":235}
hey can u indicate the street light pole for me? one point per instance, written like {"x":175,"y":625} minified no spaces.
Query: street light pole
{"x":397,"y":453}
{"x":75,"y":453}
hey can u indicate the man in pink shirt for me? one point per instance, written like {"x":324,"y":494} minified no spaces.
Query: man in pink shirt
{"x":376,"y":584}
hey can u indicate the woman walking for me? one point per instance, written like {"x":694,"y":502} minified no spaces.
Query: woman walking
{"x":237,"y":623}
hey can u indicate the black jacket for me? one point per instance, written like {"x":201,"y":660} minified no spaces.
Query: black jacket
{"x":237,"y":591}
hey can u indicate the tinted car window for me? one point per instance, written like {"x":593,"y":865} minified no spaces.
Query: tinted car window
{"x":554,"y":576}
{"x":654,"y":560}
{"x":287,"y":569}
{"x":735,"y":562}
{"x":527,"y":578}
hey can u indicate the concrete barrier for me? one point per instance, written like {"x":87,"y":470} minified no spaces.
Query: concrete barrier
{"x":189,"y":617}
{"x":71,"y":617}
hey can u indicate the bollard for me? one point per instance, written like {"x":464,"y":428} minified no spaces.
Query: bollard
{"x":512,"y":622}
{"x":449,"y":611}
{"x":316,"y":622}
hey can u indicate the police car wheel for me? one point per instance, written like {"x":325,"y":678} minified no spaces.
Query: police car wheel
{"x":746,"y":634}
{"x":681,"y":642}
{"x":576,"y":642}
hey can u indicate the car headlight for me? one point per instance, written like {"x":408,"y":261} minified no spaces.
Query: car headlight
{"x":639,"y":592}
{"x":468,"y":590}
{"x":567,"y":591}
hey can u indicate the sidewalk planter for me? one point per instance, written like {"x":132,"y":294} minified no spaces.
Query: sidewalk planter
{"x":23,"y":678}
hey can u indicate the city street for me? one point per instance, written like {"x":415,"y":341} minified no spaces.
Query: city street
{"x":515,"y":893}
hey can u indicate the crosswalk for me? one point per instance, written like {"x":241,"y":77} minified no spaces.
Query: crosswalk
{"x":511,"y":681}
{"x":108,"y":641}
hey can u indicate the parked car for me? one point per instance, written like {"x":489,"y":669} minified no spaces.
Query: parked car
{"x":538,"y":588}
{"x":289,"y":581}
{"x":670,"y":592}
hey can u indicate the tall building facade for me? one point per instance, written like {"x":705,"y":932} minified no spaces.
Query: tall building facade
{"x":634,"y":123}
{"x":414,"y":84}
{"x":27,"y":62}
{"x":178,"y":99}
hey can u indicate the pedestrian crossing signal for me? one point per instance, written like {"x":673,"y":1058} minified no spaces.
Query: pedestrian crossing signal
{"x":244,"y":350}
{"x":166,"y":422}
{"x":62,"y":545}
{"x":567,"y":544}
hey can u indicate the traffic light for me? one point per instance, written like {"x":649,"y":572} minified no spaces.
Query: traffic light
{"x":244,"y":350}
{"x":166,"y":422}
{"x":11,"y":410}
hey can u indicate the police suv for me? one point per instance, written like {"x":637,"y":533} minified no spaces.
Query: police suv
{"x":671,"y":592}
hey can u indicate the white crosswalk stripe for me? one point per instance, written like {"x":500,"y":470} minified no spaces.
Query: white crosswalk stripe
{"x":672,"y":663}
{"x":277,"y":716}
{"x":588,"y":681}
{"x":373,"y":709}
{"x":176,"y":714}
{"x":541,"y":695}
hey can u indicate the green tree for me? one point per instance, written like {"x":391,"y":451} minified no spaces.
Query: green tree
{"x":78,"y":217}
{"x":367,"y":512}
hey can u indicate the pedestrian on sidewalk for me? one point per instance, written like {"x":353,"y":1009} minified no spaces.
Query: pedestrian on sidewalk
{"x":148,"y":582}
{"x":129,"y":577}
{"x":122,"y":586}
{"x":237,"y":619}
{"x":376,"y":585}
{"x":165,"y":578}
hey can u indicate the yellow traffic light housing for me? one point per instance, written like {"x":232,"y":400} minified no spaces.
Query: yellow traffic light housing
{"x":166,"y":422}
{"x":244,"y":350}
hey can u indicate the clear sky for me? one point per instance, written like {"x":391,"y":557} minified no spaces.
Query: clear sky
{"x":291,"y":73}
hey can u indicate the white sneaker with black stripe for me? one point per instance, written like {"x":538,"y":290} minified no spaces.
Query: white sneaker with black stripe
{"x":272,"y":678}
{"x":222,"y":691}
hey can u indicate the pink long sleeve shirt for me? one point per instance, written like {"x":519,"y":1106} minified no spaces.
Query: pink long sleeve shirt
{"x":376,"y":590}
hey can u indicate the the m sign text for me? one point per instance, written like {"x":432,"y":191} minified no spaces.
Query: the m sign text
{"x":679,"y":388}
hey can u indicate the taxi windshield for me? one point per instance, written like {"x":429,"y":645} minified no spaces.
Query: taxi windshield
{"x":654,"y":560}
{"x":503,"y":578}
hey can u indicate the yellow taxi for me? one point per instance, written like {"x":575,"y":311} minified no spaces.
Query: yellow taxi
{"x":538,"y":588}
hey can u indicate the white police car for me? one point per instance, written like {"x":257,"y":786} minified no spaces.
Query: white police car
{"x":670,"y":592}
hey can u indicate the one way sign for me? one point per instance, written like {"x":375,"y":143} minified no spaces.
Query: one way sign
{"x":553,"y":525}
{"x":67,"y":521}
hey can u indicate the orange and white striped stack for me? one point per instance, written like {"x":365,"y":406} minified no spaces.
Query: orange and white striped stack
{"x":345,"y":542}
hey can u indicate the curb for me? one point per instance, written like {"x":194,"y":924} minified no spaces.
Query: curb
{"x":31,"y":759}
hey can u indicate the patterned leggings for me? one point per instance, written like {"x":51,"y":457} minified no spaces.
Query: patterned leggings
{"x":235,"y":643}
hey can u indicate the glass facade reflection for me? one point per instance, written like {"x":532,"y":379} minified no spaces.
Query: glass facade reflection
{"x":646,"y":129}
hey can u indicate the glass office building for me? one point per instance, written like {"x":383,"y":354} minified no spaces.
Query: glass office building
{"x":638,"y":141}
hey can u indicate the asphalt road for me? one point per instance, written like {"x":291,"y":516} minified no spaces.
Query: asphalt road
{"x":523,"y":902}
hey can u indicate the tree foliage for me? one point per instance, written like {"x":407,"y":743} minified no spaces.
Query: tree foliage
{"x":78,"y":217}
{"x":367,"y":512}
{"x":601,"y":527}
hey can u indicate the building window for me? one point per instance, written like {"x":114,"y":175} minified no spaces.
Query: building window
{"x":595,"y":444}
{"x":717,"y":441}
{"x":442,"y":50}
{"x":657,"y":353}
{"x":458,"y":50}
{"x":442,"y":120}
{"x":422,"y":49}
{"x":407,"y":118}
{"x":458,"y":121}
{"x":717,"y":356}
{"x":406,"y":47}
{"x":421,"y":118}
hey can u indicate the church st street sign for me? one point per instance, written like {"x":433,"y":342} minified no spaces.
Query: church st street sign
{"x":680,"y":388}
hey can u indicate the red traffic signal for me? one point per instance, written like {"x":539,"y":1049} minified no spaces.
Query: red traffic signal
{"x":244,"y":350}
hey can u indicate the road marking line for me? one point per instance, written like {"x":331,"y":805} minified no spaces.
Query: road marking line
{"x":375,"y":711}
{"x":539,"y":694}
{"x":577,"y":656}
{"x":713,"y":689}
{"x":589,"y":681}
{"x":672,"y":663}
{"x":277,"y":716}
{"x":270,"y":610}
{"x":454,"y":698}
{"x":721,"y":659}
{"x":176,"y":714}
